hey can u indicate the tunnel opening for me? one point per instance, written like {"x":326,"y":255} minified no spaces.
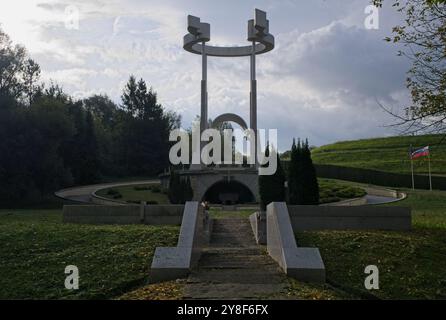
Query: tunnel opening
{"x":228,"y":193}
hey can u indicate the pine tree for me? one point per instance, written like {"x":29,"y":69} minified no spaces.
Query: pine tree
{"x":302,"y":180}
{"x":174,"y":192}
{"x":189,"y":192}
{"x":272,"y":187}
{"x":309,"y":178}
{"x":91,"y":163}
{"x":295,"y":174}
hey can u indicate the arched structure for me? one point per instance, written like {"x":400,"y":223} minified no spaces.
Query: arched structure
{"x":228,"y":193}
{"x":229,"y":117}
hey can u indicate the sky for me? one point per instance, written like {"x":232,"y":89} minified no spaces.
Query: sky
{"x":322,"y":81}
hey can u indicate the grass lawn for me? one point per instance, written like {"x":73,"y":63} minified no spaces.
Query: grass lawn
{"x":412,"y":264}
{"x":332,"y":191}
{"x":384,"y":154}
{"x":36,"y":247}
{"x":136,"y":193}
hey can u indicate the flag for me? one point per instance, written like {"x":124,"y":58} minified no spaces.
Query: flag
{"x":423,"y":152}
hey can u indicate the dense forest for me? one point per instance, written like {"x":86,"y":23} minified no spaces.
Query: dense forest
{"x":49,"y":140}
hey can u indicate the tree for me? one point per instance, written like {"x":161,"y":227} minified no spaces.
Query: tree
{"x":189,"y":192}
{"x":144,"y":131}
{"x":175,"y":188}
{"x":12,"y":59}
{"x":295,"y":174}
{"x":91,"y":165}
{"x":424,"y":43}
{"x":129,"y":96}
{"x":180,"y":189}
{"x":302,"y":180}
{"x":272,"y":187}
{"x":310,"y":189}
{"x":31,"y":75}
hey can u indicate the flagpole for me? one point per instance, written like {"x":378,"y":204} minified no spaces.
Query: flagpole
{"x":411,"y":166}
{"x":430,"y":174}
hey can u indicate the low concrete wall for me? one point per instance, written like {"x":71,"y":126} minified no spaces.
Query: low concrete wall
{"x":258,"y":225}
{"x":381,"y":192}
{"x":349,"y":202}
{"x":128,"y":214}
{"x":106,"y":201}
{"x":171,"y":263}
{"x":349,"y":218}
{"x":163,"y":214}
{"x":304,"y":264}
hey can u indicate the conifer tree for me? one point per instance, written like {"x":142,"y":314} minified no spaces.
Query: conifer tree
{"x":309,"y":178}
{"x":272,"y":187}
{"x":302,"y":181}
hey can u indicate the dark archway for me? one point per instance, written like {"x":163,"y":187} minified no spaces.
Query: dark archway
{"x":228,"y":192}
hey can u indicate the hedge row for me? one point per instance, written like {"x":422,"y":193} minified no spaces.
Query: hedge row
{"x":375,"y":177}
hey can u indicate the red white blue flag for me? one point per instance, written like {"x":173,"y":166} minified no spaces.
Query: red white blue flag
{"x":423,"y":152}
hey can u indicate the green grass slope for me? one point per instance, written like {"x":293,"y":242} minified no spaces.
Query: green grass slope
{"x":384,"y":154}
{"x":36,"y":247}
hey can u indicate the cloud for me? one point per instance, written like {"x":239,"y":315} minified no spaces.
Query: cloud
{"x":321,"y":81}
{"x":340,"y":58}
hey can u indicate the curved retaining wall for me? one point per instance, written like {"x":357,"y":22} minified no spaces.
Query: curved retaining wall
{"x":125,"y":214}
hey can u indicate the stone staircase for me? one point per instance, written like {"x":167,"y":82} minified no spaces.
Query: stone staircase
{"x":234,"y":266}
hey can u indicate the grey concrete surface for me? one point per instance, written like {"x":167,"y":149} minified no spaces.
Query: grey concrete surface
{"x":84,"y":194}
{"x":304,"y":264}
{"x":258,"y":225}
{"x":171,"y":263}
{"x":234,"y":267}
{"x":349,"y":218}
{"x":125,"y":214}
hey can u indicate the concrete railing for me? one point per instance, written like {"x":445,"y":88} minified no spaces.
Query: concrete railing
{"x":348,"y":202}
{"x":349,"y":218}
{"x":258,"y":225}
{"x":126,"y":214}
{"x":171,"y":263}
{"x":304,"y":264}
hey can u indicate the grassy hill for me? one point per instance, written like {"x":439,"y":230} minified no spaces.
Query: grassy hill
{"x":384,"y":154}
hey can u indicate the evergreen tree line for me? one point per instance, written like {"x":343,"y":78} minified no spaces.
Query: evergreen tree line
{"x":180,"y":189}
{"x":303,"y":187}
{"x":49,"y":140}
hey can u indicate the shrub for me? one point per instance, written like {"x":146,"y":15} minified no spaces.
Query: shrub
{"x":112,"y":192}
{"x":142,"y":188}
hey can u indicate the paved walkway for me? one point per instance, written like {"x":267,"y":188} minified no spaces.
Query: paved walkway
{"x":235,"y":267}
{"x":83,"y":193}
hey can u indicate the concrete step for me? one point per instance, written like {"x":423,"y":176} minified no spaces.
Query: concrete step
{"x":233,"y":291}
{"x":225,"y":243}
{"x":235,"y":235}
{"x":231,"y":229}
{"x":231,"y":222}
{"x":264,"y":275}
{"x":248,"y":250}
{"x":215,"y":261}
